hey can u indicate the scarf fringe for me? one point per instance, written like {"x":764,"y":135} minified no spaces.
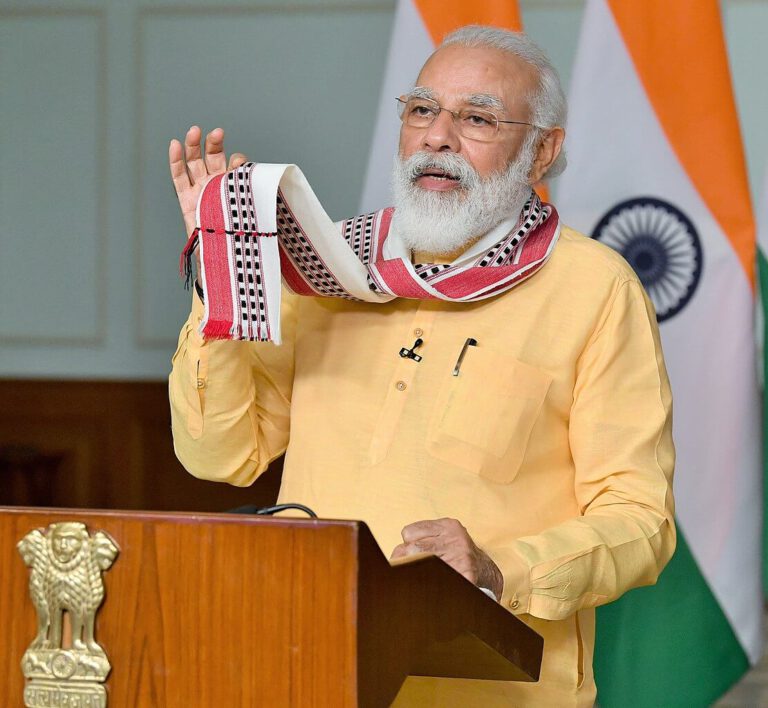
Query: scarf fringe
{"x":218,"y":329}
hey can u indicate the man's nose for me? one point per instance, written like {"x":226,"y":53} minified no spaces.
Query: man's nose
{"x":443,"y":134}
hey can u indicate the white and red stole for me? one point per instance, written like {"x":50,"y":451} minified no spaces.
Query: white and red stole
{"x":262,"y":223}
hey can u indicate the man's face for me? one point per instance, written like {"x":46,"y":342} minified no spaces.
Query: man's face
{"x":454,"y":74}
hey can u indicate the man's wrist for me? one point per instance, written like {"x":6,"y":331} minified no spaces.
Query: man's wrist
{"x":490,"y":576}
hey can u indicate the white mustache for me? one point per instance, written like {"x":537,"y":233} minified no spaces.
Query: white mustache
{"x":453,"y":165}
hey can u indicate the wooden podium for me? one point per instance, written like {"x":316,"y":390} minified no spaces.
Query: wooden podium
{"x":216,"y":610}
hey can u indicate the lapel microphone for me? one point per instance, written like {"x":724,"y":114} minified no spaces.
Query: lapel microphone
{"x":411,"y":353}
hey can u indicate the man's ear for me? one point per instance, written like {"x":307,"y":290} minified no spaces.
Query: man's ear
{"x":546,"y":153}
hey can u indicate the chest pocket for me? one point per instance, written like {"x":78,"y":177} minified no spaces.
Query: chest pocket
{"x":484,"y":416}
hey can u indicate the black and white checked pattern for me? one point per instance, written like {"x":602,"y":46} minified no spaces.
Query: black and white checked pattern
{"x":253,"y":315}
{"x":240,"y":200}
{"x":245,"y":242}
{"x":301,"y":251}
{"x":503,"y":253}
{"x":358,"y":233}
{"x":427,"y":270}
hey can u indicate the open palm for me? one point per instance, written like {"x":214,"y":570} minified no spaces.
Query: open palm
{"x":191,"y":170}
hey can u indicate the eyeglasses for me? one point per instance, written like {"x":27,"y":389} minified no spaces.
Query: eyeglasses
{"x":473,"y":123}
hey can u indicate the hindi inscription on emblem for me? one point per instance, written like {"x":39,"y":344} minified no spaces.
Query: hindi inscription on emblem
{"x":66,"y":564}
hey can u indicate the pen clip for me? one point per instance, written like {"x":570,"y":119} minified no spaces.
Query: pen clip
{"x":471,"y":342}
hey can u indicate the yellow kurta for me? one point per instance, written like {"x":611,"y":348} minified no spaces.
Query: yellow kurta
{"x":552,"y":446}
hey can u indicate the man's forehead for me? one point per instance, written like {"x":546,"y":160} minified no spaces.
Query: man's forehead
{"x":456,"y":71}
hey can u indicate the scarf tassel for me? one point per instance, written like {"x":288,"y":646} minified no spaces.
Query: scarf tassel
{"x":185,"y":260}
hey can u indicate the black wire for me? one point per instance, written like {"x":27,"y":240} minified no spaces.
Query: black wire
{"x":269,"y":510}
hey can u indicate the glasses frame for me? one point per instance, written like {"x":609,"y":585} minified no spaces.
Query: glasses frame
{"x":403,"y":102}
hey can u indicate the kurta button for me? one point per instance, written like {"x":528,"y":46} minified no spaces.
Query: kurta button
{"x":418,"y":331}
{"x":514,"y":604}
{"x":401,"y":385}
{"x":201,"y":383}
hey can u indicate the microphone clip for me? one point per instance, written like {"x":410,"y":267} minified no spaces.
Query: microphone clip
{"x":411,"y":353}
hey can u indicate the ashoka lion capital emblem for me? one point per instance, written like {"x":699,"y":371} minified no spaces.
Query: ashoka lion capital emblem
{"x":66,"y":564}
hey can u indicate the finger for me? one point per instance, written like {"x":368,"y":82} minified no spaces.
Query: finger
{"x":178,"y":169}
{"x":431,"y":544}
{"x":215,"y":159}
{"x":451,"y":525}
{"x":193,"y":154}
{"x":236,"y":159}
{"x":400,"y":551}
{"x":412,"y":549}
{"x":421,"y":529}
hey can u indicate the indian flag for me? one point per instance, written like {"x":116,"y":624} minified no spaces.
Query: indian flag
{"x":656,"y":171}
{"x":419,"y":27}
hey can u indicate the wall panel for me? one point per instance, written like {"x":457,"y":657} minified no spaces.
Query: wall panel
{"x":52,"y":172}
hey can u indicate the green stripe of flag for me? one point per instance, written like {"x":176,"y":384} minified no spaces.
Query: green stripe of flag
{"x":667,"y":645}
{"x":762,"y":269}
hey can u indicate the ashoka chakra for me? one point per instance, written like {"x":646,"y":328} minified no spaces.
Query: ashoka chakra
{"x":662,"y":246}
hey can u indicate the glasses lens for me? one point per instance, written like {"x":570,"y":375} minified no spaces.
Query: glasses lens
{"x":478,"y":125}
{"x":418,"y":112}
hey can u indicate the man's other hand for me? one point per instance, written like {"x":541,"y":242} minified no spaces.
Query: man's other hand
{"x":191,"y":171}
{"x":449,"y":540}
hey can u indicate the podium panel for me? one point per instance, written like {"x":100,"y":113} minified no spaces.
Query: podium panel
{"x":227,"y":610}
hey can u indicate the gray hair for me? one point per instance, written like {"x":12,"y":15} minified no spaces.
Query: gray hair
{"x":548,"y":104}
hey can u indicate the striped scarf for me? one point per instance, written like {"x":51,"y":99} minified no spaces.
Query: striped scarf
{"x":262,"y":223}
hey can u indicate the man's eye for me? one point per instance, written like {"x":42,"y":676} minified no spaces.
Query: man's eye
{"x":479,"y":120}
{"x":421,"y":111}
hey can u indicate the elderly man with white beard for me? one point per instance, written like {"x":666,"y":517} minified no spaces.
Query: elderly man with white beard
{"x":524,"y":436}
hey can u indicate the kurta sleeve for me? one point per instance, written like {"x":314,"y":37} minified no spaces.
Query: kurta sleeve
{"x":230,"y":401}
{"x":620,"y":433}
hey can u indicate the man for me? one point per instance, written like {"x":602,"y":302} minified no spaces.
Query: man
{"x":530,"y":446}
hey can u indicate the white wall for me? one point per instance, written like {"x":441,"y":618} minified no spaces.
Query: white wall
{"x":90,"y":94}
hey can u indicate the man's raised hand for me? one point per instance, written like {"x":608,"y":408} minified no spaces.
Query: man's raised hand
{"x":191,"y":171}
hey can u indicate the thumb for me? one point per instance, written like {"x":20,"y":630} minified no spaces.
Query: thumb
{"x":236,"y":159}
{"x":400,"y":551}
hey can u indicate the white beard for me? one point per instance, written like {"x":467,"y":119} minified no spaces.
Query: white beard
{"x":442,"y":222}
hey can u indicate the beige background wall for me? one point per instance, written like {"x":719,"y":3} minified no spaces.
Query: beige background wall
{"x":90,"y":93}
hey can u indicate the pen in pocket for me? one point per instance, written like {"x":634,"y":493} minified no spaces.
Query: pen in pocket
{"x":469,"y":343}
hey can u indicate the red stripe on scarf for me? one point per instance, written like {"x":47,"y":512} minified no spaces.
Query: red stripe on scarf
{"x":292,"y":276}
{"x":218,"y":279}
{"x":534,"y":249}
{"x":401,"y":281}
{"x":382,"y":233}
